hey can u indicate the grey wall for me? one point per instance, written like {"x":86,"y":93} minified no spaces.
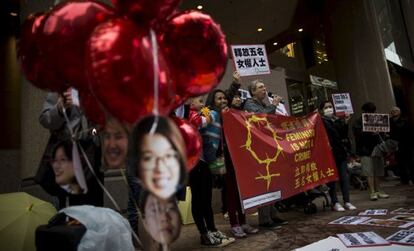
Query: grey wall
{"x":359,"y":58}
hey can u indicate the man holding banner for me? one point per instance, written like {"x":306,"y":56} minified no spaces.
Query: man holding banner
{"x":257,"y":89}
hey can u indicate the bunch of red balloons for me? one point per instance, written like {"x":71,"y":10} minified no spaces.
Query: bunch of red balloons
{"x":107,"y":54}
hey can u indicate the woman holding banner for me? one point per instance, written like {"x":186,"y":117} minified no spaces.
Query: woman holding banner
{"x":337,"y":131}
{"x":239,"y":227}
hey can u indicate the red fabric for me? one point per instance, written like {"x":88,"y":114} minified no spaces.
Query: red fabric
{"x":195,"y":119}
{"x":273,"y":154}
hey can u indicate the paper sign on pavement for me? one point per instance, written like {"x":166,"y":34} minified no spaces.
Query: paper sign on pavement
{"x":404,"y":237}
{"x":374,"y":212}
{"x":350,"y":220}
{"x":362,"y":239}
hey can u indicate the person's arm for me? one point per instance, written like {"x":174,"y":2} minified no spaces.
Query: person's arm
{"x":51,"y":116}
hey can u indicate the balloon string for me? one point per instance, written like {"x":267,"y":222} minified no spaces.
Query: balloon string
{"x":156,"y":71}
{"x":88,"y":163}
{"x":107,"y":193}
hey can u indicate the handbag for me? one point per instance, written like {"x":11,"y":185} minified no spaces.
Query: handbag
{"x":59,"y":235}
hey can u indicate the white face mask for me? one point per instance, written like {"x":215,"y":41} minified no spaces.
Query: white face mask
{"x":328,"y":112}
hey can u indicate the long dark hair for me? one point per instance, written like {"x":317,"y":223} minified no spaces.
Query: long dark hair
{"x":67,"y":148}
{"x":166,"y":128}
{"x":211,"y":97}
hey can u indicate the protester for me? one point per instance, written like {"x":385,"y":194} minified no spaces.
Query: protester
{"x":267,"y":214}
{"x":239,"y":227}
{"x":201,"y":180}
{"x":156,"y":156}
{"x":337,"y":130}
{"x":372,"y":167}
{"x":64,"y":172}
{"x":233,"y":94}
{"x":199,"y":115}
{"x":63,"y":117}
{"x":400,"y":131}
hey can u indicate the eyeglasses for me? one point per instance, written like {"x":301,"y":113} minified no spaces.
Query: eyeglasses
{"x":59,"y":161}
{"x":150,"y":161}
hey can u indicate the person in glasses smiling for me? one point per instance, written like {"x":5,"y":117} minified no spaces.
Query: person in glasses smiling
{"x":63,"y":167}
{"x":157,"y":155}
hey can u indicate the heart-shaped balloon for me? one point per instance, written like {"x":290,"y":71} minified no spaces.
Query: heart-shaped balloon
{"x":121,"y":73}
{"x":92,"y":108}
{"x":30,"y":55}
{"x":147,"y":12}
{"x":192,"y":139}
{"x":196,"y":51}
{"x":65,"y":33}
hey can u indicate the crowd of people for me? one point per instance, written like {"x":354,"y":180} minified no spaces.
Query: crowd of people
{"x":154,"y":158}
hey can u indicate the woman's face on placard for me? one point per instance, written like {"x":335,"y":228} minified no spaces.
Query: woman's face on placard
{"x":63,"y":168}
{"x":162,"y":219}
{"x":159,"y":165}
{"x":115,"y":145}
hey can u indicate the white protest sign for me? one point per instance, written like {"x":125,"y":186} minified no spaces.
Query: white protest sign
{"x":349,"y":220}
{"x":374,"y":212}
{"x":342,"y":103}
{"x":250,"y":59}
{"x":375,"y":122}
{"x":362,"y":239}
{"x":404,"y":237}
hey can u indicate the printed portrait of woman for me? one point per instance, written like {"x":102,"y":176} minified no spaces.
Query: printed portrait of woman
{"x":114,"y":144}
{"x":62,"y":165}
{"x":157,"y":156}
{"x":161,"y":218}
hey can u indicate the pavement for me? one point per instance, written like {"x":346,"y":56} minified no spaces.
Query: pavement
{"x":305,"y":229}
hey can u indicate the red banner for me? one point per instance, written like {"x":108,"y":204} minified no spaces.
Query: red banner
{"x":276,"y":157}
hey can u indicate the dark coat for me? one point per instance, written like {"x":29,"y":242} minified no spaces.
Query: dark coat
{"x":337,"y":132}
{"x":365,"y":141}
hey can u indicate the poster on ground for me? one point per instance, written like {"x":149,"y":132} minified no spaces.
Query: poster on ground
{"x":389,"y":223}
{"x":403,"y":211}
{"x":349,"y":220}
{"x":374,"y":212}
{"x":342,"y":103}
{"x":362,"y":239}
{"x":250,"y":59}
{"x":403,"y":237}
{"x":276,"y":157}
{"x":375,"y":122}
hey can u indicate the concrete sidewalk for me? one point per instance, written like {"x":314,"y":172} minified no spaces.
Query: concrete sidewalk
{"x":305,"y":229}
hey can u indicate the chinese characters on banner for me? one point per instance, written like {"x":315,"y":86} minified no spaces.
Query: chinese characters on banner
{"x":276,"y":157}
{"x":342,"y":103}
{"x":250,"y":59}
{"x":375,"y":122}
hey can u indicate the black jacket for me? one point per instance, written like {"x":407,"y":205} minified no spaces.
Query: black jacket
{"x":364,"y":141}
{"x":337,"y":132}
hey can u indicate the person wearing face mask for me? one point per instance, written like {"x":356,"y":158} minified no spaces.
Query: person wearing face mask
{"x":337,"y":131}
{"x":400,"y":132}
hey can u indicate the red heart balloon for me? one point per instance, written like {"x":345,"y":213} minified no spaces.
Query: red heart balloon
{"x":120,"y":69}
{"x":32,"y":62}
{"x":148,"y":12}
{"x":92,"y":108}
{"x":65,"y":33}
{"x":192,"y":141}
{"x":196,"y":51}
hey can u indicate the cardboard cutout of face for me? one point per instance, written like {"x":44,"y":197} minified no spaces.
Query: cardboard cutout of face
{"x":161,"y":219}
{"x":157,"y":152}
{"x":114,"y":144}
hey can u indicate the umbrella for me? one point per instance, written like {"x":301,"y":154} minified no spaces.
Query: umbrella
{"x":20,"y":215}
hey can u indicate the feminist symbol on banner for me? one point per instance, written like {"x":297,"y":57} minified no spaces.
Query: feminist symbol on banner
{"x":249,"y":125}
